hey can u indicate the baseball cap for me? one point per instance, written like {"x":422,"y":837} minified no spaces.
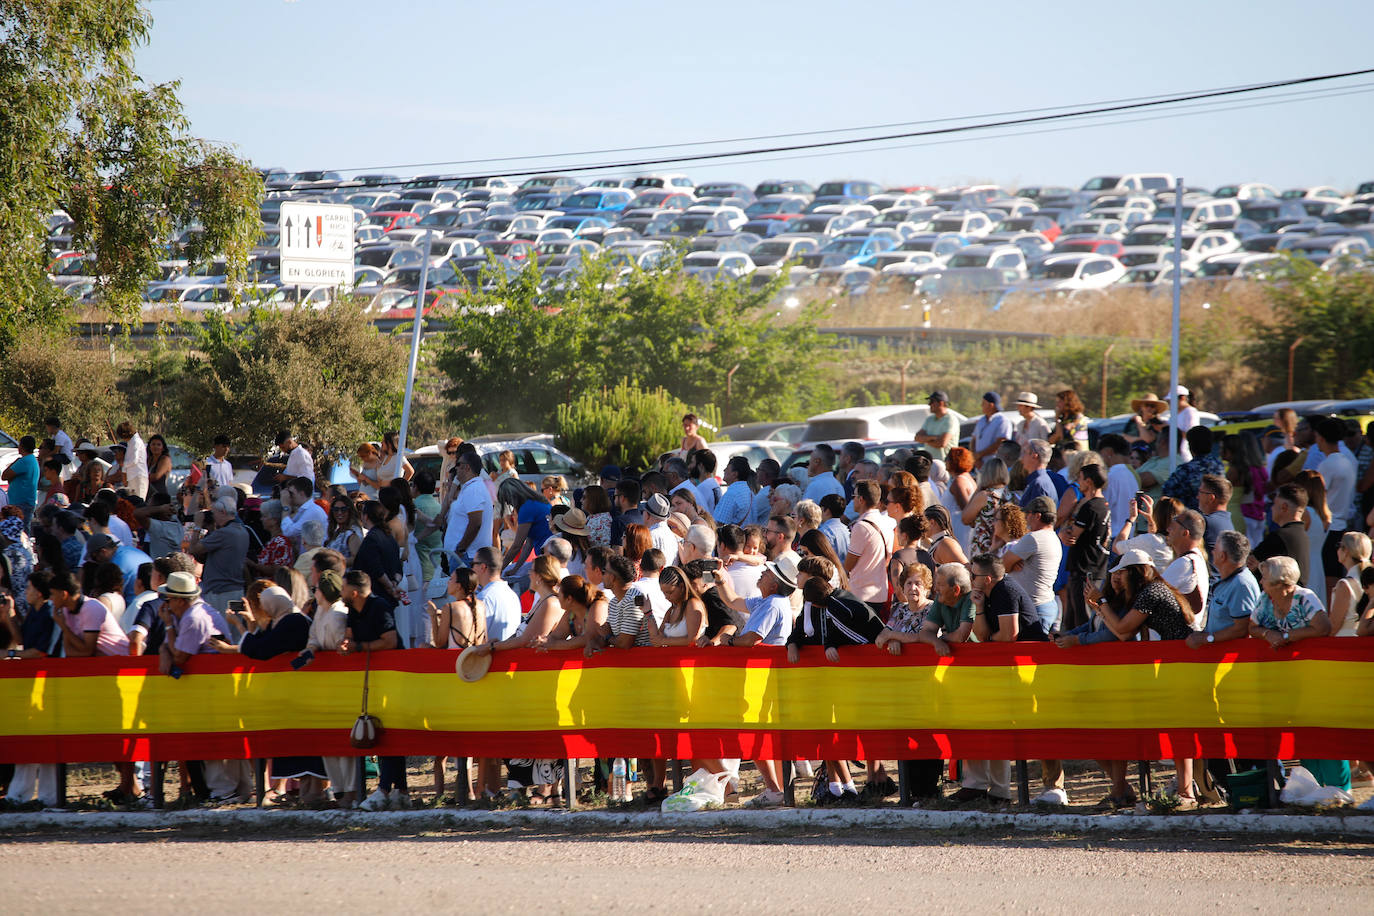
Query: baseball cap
{"x":939,"y":394}
{"x":100,"y":542}
{"x":610,"y":472}
{"x":1041,"y":505}
{"x":993,"y":398}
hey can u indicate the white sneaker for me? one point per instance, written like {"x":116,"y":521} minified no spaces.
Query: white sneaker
{"x":399,"y":801}
{"x":1056,"y":797}
{"x":377,"y":801}
{"x":765,"y":799}
{"x":803,"y":769}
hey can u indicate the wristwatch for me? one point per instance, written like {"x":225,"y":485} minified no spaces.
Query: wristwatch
{"x":1211,"y":637}
{"x":1285,"y":636}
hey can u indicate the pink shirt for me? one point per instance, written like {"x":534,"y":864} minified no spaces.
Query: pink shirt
{"x":870,"y":541}
{"x":93,"y":616}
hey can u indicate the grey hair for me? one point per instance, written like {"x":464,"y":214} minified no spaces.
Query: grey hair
{"x":790,"y":492}
{"x":809,"y":512}
{"x":1281,"y":570}
{"x":559,"y":548}
{"x":1235,"y":546}
{"x":956,"y":574}
{"x":994,"y":473}
{"x":702,"y":538}
{"x":271,"y":509}
{"x":1040,"y":449}
{"x":312,"y":534}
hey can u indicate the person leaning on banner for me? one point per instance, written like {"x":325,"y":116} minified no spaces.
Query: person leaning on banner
{"x":371,"y":627}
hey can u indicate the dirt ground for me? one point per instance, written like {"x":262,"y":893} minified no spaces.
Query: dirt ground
{"x":230,"y":871}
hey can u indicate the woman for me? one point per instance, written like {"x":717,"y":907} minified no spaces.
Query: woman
{"x":1010,"y":526}
{"x":980,"y":514}
{"x":450,"y":459}
{"x":462,"y":621}
{"x":571,"y":526}
{"x":691,"y":439}
{"x":903,"y":501}
{"x":939,"y":538}
{"x":1146,"y":423}
{"x":293,"y":582}
{"x":685,"y":619}
{"x":1247,"y":471}
{"x":783,"y":499}
{"x":1354,"y":554}
{"x":636,"y":540}
{"x":159,"y":464}
{"x":1071,"y":425}
{"x":1158,"y":515}
{"x":368,"y":470}
{"x":914,"y":585}
{"x":106,"y":583}
{"x":815,"y":544}
{"x":379,"y":556}
{"x":531,"y":524}
{"x":907,"y":539}
{"x":280,"y":628}
{"x":585,"y":610}
{"x":277,"y":551}
{"x":345,"y":532}
{"x":685,"y":501}
{"x":959,"y":465}
{"x":596,"y":503}
{"x":555,"y":490}
{"x":1140,"y":600}
{"x":17,"y":554}
{"x":541,"y":777}
{"x":1317,"y":519}
{"x":386,"y":471}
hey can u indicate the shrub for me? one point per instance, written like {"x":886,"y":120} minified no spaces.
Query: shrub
{"x":625,"y":425}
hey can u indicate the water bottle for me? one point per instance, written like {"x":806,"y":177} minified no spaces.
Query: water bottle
{"x":620,"y":787}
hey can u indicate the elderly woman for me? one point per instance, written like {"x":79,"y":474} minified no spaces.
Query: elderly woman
{"x":783,"y":499}
{"x":277,"y":550}
{"x":909,"y":614}
{"x":312,"y":542}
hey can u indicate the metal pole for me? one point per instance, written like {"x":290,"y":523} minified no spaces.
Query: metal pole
{"x":1105,"y":355}
{"x":1174,"y":326}
{"x":414,"y":354}
{"x":1292,"y":349}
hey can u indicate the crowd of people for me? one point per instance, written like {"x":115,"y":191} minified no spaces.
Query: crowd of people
{"x":1024,"y":534}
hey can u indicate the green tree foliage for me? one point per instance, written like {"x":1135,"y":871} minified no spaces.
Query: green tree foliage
{"x":44,"y":375}
{"x":625,"y":425}
{"x":1333,"y":312}
{"x":79,"y":131}
{"x":328,"y":375}
{"x":514,"y":355}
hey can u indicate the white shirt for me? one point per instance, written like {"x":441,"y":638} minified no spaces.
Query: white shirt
{"x":119,"y":530}
{"x":291,"y":524}
{"x":1187,"y":418}
{"x":64,"y":444}
{"x":1187,"y":574}
{"x":1040,"y":553}
{"x":502,"y":607}
{"x":745,"y":578}
{"x":1338,"y":470}
{"x":658,"y":602}
{"x":472,"y":497}
{"x":1120,"y":490}
{"x":135,"y":465}
{"x":665,"y":540}
{"x":300,"y":464}
{"x":220,"y":471}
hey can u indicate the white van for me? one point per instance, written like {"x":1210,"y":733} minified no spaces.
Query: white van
{"x":886,"y":423}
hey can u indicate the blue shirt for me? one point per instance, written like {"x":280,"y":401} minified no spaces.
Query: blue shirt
{"x":24,"y":484}
{"x":821,"y":486}
{"x":734,"y":507}
{"x":837,"y":533}
{"x":770,"y":617}
{"x":536,"y":513}
{"x":1234,"y":598}
{"x":760,"y":508}
{"x":989,"y":429}
{"x":1039,"y":484}
{"x":129,"y":559}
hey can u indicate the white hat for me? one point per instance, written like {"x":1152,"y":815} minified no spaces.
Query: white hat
{"x":1182,"y":392}
{"x":785,"y":569}
{"x":1028,"y":398}
{"x":1135,"y":557}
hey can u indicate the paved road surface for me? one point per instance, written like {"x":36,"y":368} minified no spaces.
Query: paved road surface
{"x":528,"y":870}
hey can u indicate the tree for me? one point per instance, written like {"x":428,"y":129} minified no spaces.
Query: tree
{"x":43,"y":375}
{"x":625,"y":425}
{"x":80,"y":132}
{"x":328,"y":375}
{"x":514,"y":354}
{"x":1333,"y":313}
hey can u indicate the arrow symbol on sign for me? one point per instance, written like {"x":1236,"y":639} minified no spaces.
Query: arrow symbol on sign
{"x":305,"y":224}
{"x":319,"y":231}
{"x":288,"y":232}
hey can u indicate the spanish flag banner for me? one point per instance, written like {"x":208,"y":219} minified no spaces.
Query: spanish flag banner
{"x":1021,"y":701}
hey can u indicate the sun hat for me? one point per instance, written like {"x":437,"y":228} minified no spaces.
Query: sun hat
{"x":1135,"y":557}
{"x":1028,"y":398}
{"x":785,"y":568}
{"x":180,"y":585}
{"x":472,"y":666}
{"x":1149,"y":398}
{"x":657,"y":506}
{"x":85,"y":446}
{"x":574,"y":521}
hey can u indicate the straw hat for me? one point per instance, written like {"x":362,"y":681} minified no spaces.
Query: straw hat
{"x":472,"y":666}
{"x":574,"y":521}
{"x":1151,"y":399}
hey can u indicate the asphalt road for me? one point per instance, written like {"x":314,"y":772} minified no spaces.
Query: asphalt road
{"x":524,"y":869}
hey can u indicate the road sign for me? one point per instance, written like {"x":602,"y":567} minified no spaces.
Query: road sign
{"x":316,"y":244}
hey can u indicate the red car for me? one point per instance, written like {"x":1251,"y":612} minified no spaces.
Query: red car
{"x":1109,"y":247}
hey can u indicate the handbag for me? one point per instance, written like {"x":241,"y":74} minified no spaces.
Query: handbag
{"x":367,"y":730}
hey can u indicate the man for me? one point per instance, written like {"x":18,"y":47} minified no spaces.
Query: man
{"x":372,"y":628}
{"x":1188,"y":417}
{"x":851,"y":453}
{"x":707,"y":488}
{"x":1289,"y":538}
{"x":1121,"y":481}
{"x":778,"y":536}
{"x":765,"y":476}
{"x":101,"y":548}
{"x":1035,"y":459}
{"x":1031,"y":426}
{"x":1188,"y":573}
{"x":698,"y":544}
{"x":1338,"y":468}
{"x":744,"y":576}
{"x":32,"y":634}
{"x":1032,"y":561}
{"x":22,"y":475}
{"x":470,"y":515}
{"x":298,"y":499}
{"x":656,"y":512}
{"x":769,"y":616}
{"x":100,"y":518}
{"x":832,"y":523}
{"x":223,"y":551}
{"x":870,"y":547}
{"x":1213,"y":496}
{"x":1004,"y":613}
{"x":650,"y":565}
{"x":1235,"y":597}
{"x":939,"y":432}
{"x":820,"y":469}
{"x":135,"y":463}
{"x":299,"y":462}
{"x":1183,"y":483}
{"x":678,"y":476}
{"x":88,"y":628}
{"x":627,"y":495}
{"x":53,"y":427}
{"x":991,"y":430}
{"x":1087,"y":537}
{"x":148,"y":631}
{"x":734,"y":507}
{"x":501,"y":603}
{"x":217,"y":465}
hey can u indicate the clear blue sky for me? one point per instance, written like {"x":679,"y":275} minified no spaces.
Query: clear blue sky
{"x":351,"y":85}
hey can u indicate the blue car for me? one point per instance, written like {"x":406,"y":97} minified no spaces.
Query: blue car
{"x":597,"y":202}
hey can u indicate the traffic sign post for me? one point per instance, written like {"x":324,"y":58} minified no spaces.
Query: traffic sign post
{"x":316,"y":244}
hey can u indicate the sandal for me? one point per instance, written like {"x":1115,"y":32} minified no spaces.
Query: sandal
{"x":538,"y":801}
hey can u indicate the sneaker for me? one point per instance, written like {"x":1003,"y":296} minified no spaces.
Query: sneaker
{"x":377,"y":801}
{"x":803,"y":769}
{"x":1054,"y":797}
{"x":399,"y":800}
{"x":848,"y":798}
{"x":766,"y":799}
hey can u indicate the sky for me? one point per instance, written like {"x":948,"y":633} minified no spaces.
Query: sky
{"x":352,"y":85}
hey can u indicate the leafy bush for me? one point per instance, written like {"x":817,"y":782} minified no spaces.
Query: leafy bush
{"x":625,"y":425}
{"x":44,"y":374}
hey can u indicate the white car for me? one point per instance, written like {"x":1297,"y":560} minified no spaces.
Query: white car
{"x":1073,"y":272}
{"x":1153,"y":242}
{"x":733,"y":216}
{"x":1096,"y":227}
{"x":1002,"y":257}
{"x":709,"y":266}
{"x":965,"y":222}
{"x":1238,"y":265}
{"x":1247,"y":190}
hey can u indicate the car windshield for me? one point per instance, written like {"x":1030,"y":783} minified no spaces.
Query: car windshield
{"x":1102,"y":183}
{"x":846,"y":246}
{"x":1229,"y":190}
{"x":831,"y":189}
{"x":969,"y":260}
{"x":1148,"y":237}
{"x":769,"y":206}
{"x":464,"y":183}
{"x":769,"y":188}
{"x":948,"y":225}
{"x":1058,"y":271}
{"x":1259,"y":243}
{"x":554,"y":246}
{"x":533,"y":202}
{"x":691,"y":224}
{"x":583,"y":202}
{"x":1218,"y":268}
{"x":1142,"y":274}
{"x":778,"y":249}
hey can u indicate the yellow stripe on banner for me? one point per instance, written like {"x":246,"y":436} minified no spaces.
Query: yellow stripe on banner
{"x":1176,"y":695}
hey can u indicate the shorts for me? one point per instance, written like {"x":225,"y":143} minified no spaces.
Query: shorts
{"x":1330,"y":564}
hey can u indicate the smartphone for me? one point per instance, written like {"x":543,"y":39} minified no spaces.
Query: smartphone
{"x":300,"y":661}
{"x":238,"y":605}
{"x":710,"y":564}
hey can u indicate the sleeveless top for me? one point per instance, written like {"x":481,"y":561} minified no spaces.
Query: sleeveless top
{"x":980,"y":541}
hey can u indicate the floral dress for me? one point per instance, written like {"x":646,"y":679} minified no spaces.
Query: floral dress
{"x":276,"y":552}
{"x":980,"y":540}
{"x":906,"y":620}
{"x":599,"y":529}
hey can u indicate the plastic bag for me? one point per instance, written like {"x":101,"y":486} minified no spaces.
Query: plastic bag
{"x":700,"y":790}
{"x":1303,"y":789}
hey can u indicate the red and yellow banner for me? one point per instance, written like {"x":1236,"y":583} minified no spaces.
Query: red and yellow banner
{"x":1022,"y":701}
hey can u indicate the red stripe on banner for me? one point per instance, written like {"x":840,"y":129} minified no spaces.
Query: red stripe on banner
{"x":1021,"y":744}
{"x":984,"y":655}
